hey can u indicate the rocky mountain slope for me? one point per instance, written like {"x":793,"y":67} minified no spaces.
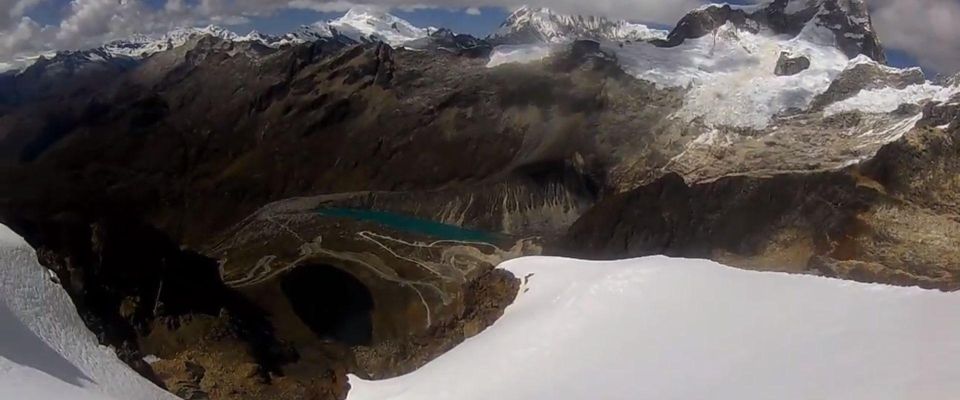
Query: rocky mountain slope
{"x":388,"y":181}
{"x":359,"y":25}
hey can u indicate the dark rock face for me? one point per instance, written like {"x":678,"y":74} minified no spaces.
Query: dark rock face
{"x":788,"y":65}
{"x":458,"y":44}
{"x":852,"y":27}
{"x":673,"y":218}
{"x":333,"y":303}
{"x":582,"y":48}
{"x":65,"y":73}
{"x":701,"y":22}
{"x":827,"y":224}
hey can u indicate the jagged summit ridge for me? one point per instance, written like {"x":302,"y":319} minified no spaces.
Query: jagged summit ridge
{"x":373,"y":24}
{"x":531,"y":24}
{"x":848,"y":21}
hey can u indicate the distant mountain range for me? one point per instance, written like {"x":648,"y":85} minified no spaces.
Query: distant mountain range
{"x":363,"y":24}
{"x":525,"y":25}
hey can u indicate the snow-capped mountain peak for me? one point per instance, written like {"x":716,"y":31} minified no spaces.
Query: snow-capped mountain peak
{"x":372,"y":24}
{"x":255,"y":36}
{"x":846,"y":22}
{"x":360,"y":24}
{"x":532,"y":24}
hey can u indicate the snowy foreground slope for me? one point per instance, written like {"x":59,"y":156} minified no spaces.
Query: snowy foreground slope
{"x":660,"y":328}
{"x":46,"y":352}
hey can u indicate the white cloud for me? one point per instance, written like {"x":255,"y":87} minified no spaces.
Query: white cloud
{"x":18,"y":33}
{"x":926,"y":29}
{"x":14,"y":39}
{"x":473,"y":11}
{"x":324,"y":6}
{"x":12,"y":10}
{"x":175,"y":6}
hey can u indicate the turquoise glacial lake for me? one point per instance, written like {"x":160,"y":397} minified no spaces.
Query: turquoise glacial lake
{"x":406,"y":223}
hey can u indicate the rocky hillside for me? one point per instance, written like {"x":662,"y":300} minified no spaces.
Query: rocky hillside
{"x":341,"y":199}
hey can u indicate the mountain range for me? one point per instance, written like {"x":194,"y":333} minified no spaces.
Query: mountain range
{"x":341,"y":194}
{"x":849,"y":19}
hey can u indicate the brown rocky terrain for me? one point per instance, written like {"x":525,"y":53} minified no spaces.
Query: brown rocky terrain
{"x":892,"y":219}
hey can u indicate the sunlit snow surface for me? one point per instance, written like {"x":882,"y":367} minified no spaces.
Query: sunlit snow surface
{"x":523,"y":53}
{"x":368,"y":22}
{"x":887,"y":100}
{"x":661,"y":328}
{"x":46,"y":352}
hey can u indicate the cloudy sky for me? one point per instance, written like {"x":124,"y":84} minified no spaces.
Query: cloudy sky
{"x":917,"y":32}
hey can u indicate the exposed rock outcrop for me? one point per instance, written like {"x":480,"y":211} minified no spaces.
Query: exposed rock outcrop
{"x":458,"y":44}
{"x":789,"y":65}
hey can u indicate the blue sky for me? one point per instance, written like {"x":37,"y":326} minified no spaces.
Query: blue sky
{"x":285,"y":20}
